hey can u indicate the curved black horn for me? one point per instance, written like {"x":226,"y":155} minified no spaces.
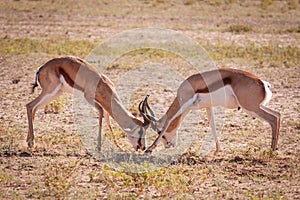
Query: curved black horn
{"x":144,"y":107}
{"x":147,"y":107}
{"x":144,"y":115}
{"x":153,"y":121}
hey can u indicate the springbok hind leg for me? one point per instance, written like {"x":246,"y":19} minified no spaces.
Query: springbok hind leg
{"x":44,"y":98}
{"x":275,"y":131}
{"x":273,"y":118}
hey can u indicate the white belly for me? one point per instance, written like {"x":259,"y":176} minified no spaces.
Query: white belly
{"x":222,"y":97}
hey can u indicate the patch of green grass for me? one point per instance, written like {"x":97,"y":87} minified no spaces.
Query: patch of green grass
{"x":56,"y":182}
{"x":174,"y":180}
{"x":219,"y":2}
{"x":189,"y":2}
{"x":295,"y":29}
{"x":295,"y":122}
{"x":275,"y":55}
{"x":5,"y":178}
{"x":7,"y":139}
{"x":56,"y":46}
{"x":239,"y":28}
{"x":53,"y":139}
{"x":265,"y":3}
{"x":69,"y":7}
{"x":27,"y":6}
{"x":293,"y":4}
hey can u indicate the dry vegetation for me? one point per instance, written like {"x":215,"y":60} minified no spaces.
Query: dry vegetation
{"x":258,"y":36}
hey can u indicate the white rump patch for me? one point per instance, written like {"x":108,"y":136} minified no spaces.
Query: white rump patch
{"x":36,"y":80}
{"x":268,"y":96}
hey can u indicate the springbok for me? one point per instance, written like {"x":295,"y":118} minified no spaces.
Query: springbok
{"x":66,"y":74}
{"x":230,"y":88}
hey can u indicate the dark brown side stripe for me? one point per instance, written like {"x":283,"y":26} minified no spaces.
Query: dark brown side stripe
{"x":70,"y":81}
{"x":215,"y":86}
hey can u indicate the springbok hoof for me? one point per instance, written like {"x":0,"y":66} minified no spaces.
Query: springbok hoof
{"x":30,"y":143}
{"x":148,"y":151}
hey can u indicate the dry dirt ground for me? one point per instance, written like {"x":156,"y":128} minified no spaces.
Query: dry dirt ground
{"x":252,"y":35}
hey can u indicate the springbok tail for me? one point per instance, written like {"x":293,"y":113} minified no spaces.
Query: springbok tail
{"x":35,"y":84}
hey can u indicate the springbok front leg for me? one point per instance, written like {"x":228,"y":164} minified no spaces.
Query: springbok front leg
{"x":92,"y":101}
{"x":107,"y":120}
{"x":102,"y":115}
{"x":211,"y":118}
{"x":100,"y":110}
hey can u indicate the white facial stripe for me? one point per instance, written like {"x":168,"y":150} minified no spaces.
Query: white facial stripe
{"x":96,"y":102}
{"x":180,"y":111}
{"x":183,"y":108}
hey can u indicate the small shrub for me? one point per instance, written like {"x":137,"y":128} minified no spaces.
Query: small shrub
{"x":188,"y":2}
{"x":265,"y":3}
{"x":293,"y":4}
{"x":231,"y":1}
{"x":295,"y":29}
{"x":239,"y":28}
{"x":56,"y":46}
{"x":55,"y":106}
{"x":215,"y":2}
